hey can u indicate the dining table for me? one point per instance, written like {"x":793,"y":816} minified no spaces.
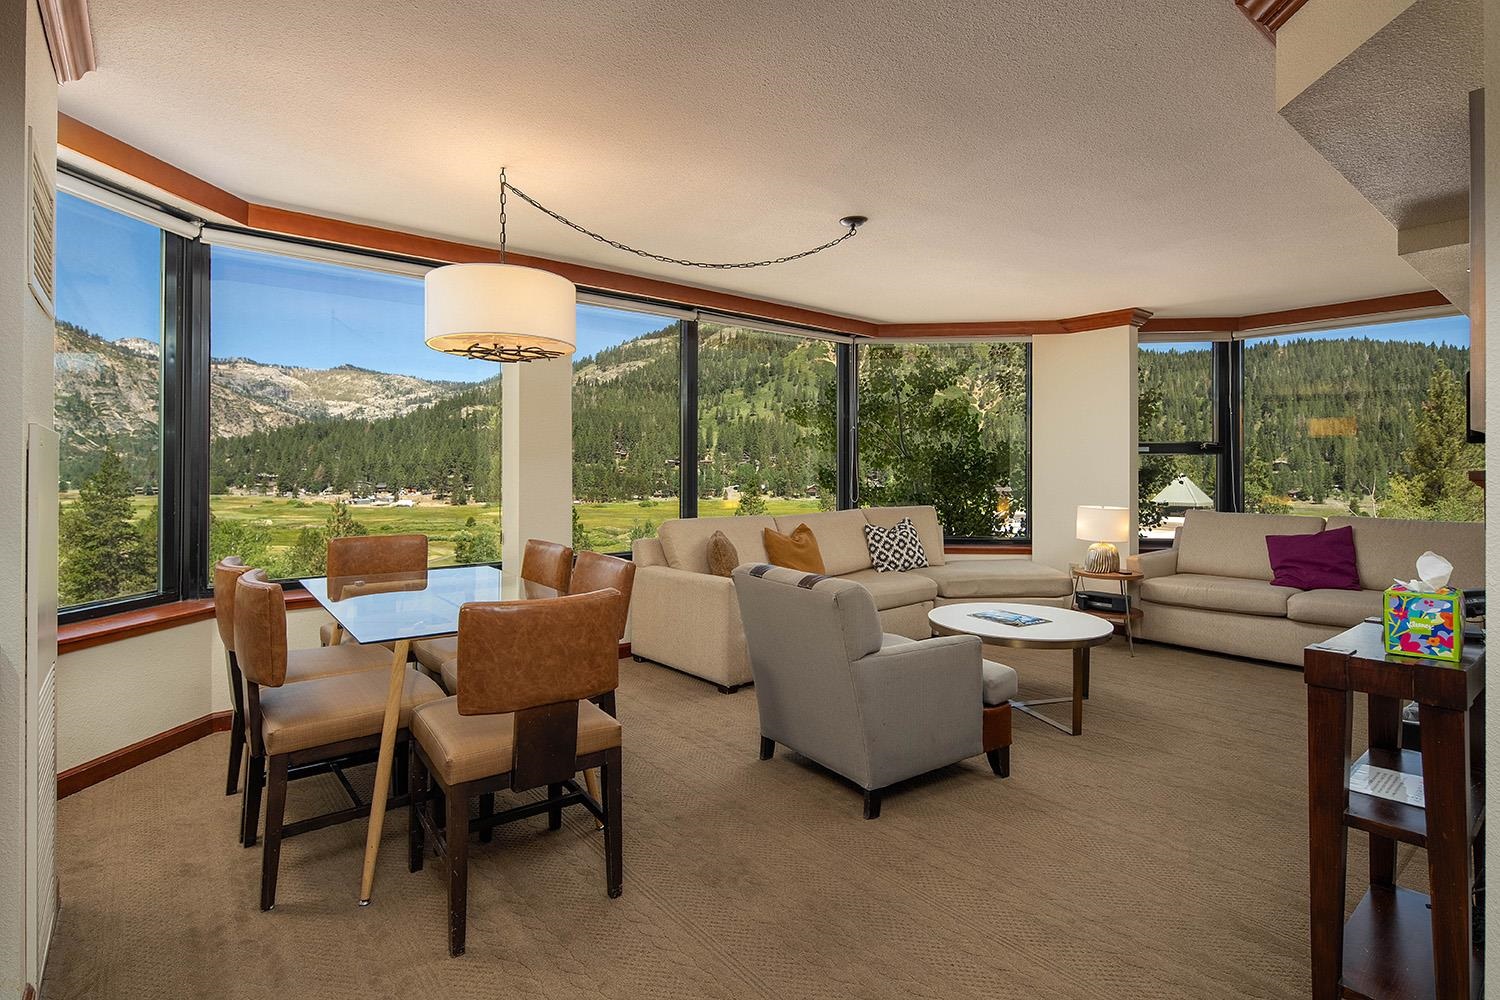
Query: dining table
{"x":398,"y":609}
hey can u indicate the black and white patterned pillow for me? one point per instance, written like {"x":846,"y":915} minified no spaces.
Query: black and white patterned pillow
{"x":897,"y":548}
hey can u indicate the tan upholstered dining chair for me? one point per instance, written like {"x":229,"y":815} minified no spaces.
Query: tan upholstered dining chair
{"x":548,"y":564}
{"x":370,"y":555}
{"x":522,"y":719}
{"x":302,"y":665}
{"x":311,"y":722}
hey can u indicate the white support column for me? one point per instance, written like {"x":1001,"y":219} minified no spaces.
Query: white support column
{"x":1083,"y":435}
{"x":536,"y":457}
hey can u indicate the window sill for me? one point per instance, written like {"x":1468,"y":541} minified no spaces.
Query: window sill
{"x":129,"y":624}
{"x":987,"y":548}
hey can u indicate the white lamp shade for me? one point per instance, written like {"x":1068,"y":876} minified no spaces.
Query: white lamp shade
{"x":1103,"y":524}
{"x":500,"y":312}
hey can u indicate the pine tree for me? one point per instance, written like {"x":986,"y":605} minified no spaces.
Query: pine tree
{"x":752,"y":503}
{"x":104,"y":554}
{"x":1438,"y":486}
{"x":475,"y":543}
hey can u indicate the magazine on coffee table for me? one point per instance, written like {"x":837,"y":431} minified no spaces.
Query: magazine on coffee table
{"x":1012,"y":618}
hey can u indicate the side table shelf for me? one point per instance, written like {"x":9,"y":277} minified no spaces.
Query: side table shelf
{"x":1124,"y":579}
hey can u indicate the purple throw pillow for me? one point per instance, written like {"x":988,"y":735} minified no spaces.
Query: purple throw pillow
{"x":1322,"y":561}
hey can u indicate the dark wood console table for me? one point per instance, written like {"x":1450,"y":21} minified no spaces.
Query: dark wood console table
{"x":1398,"y":943}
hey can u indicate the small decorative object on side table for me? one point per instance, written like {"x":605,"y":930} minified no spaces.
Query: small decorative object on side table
{"x":1117,"y":608}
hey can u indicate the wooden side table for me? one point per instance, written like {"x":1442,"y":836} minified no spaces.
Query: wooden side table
{"x":1398,"y":943}
{"x":1129,"y":616}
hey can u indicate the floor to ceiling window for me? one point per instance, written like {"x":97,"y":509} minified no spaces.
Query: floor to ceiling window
{"x":947,"y":425}
{"x":627,"y":433}
{"x":1366,"y":420}
{"x":111,"y":322}
{"x":330,"y":416}
{"x":1178,"y":435}
{"x":767,"y":416}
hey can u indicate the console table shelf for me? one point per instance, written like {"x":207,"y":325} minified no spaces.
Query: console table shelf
{"x":1399,"y":944}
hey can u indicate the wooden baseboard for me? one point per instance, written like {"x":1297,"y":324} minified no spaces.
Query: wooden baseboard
{"x":28,"y":992}
{"x":76,"y":779}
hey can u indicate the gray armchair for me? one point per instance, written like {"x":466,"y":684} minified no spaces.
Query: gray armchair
{"x":874,"y":708}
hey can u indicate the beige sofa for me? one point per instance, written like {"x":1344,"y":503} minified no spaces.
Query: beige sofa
{"x":1212,"y":589}
{"x":685,"y":617}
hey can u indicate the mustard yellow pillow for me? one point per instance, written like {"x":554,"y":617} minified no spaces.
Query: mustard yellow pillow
{"x":723,"y":557}
{"x":798,"y":551}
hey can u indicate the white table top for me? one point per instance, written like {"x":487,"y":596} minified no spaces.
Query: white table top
{"x":1062,"y":628}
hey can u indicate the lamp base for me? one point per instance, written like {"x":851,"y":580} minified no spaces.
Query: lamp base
{"x":1102,"y":557}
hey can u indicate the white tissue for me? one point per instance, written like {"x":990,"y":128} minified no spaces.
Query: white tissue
{"x":1433,"y":572}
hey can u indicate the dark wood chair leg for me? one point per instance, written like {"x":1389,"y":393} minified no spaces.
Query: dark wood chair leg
{"x":275,"y":812}
{"x":236,"y":752}
{"x":872,"y":803}
{"x":614,"y":861}
{"x":458,"y":869}
{"x":401,"y":779}
{"x":606,"y":702}
{"x":999,"y":761}
{"x":418,"y":801}
{"x":486,"y":810}
{"x":767,"y":748}
{"x":554,"y":815}
{"x":250,"y":809}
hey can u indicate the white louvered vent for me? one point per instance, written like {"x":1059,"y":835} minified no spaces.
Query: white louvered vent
{"x":46,"y":808}
{"x":42,"y":230}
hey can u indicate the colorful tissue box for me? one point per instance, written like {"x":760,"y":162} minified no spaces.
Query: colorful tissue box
{"x":1430,"y":625}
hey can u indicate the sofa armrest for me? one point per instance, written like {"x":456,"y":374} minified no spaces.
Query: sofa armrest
{"x":647,"y":552}
{"x":1162,"y":562}
{"x":920,"y":705}
{"x":690,"y":621}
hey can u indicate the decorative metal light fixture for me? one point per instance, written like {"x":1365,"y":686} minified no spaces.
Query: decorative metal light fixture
{"x":505,"y":312}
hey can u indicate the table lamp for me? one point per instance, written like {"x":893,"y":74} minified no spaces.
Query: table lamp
{"x":1103,"y":526}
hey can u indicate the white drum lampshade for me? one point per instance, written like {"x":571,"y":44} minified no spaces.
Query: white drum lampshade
{"x":500,"y":312}
{"x":1103,"y":526}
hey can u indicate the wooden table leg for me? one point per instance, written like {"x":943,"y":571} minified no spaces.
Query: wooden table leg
{"x":1385,"y":734}
{"x":383,"y":768}
{"x":337,"y":638}
{"x":1080,"y":686}
{"x":1445,"y":782}
{"x":1328,"y":725}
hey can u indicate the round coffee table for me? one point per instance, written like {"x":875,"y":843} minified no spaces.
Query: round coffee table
{"x":1063,"y":629}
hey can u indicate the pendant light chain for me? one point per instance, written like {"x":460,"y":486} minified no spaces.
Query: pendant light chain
{"x":853,"y":222}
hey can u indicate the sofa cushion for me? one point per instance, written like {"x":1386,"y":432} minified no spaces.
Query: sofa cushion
{"x":1386,"y":549}
{"x":997,"y":578}
{"x":1321,"y":561}
{"x":1219,"y":544}
{"x":1218,"y":593}
{"x":1000,"y":682}
{"x":926,"y":520}
{"x":797,"y":549}
{"x":1333,"y":607}
{"x":840,"y":535}
{"x":894,"y":590}
{"x":684,"y":541}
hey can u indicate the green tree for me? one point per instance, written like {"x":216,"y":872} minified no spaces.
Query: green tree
{"x":581,"y":542}
{"x":235,"y":537}
{"x":752,"y":503}
{"x":476,"y":543}
{"x":1436,"y":485}
{"x":103,"y":552}
{"x":1156,"y":471}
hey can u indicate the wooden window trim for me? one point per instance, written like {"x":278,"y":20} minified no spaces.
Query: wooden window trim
{"x":988,"y":549}
{"x":129,"y":624}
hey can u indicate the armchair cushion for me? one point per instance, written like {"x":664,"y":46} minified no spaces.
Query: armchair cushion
{"x":1000,"y":682}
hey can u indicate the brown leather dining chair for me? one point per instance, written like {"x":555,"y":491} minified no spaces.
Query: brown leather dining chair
{"x":595,"y":571}
{"x":548,"y":564}
{"x":302,"y":665}
{"x":310,"y":722}
{"x":371,"y":555}
{"x":522,"y":719}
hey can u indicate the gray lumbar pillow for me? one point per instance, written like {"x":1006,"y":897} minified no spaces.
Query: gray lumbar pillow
{"x":723,"y":557}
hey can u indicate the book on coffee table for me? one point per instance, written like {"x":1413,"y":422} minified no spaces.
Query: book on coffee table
{"x":1012,"y":618}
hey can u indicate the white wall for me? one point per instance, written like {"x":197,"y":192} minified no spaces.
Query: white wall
{"x":28,"y":96}
{"x":1321,"y":35}
{"x":1083,"y":435}
{"x":536,"y":488}
{"x":120,"y":693}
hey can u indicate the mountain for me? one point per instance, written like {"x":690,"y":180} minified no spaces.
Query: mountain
{"x":108,"y":395}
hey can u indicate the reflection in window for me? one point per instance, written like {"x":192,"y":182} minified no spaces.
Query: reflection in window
{"x":767,"y":407}
{"x":108,"y":406}
{"x":1367,"y":421}
{"x":330,"y":416}
{"x":946,"y":424}
{"x":626,"y":427}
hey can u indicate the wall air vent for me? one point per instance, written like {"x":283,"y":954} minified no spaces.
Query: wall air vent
{"x":41,"y":229}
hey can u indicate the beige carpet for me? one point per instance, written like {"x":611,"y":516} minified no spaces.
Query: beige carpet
{"x":1161,"y":854}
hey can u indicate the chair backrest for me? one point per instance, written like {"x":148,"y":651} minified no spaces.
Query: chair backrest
{"x":547,"y":563}
{"x":595,"y":571}
{"x":227,"y":573}
{"x":372,"y":555}
{"x":260,"y":629}
{"x":803,"y":631}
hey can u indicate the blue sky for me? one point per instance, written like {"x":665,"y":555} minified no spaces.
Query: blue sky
{"x":279,"y":310}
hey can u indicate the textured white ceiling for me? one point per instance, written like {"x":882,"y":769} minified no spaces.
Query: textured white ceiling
{"x":1019,"y":160}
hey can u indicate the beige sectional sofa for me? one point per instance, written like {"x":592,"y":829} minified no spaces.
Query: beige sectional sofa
{"x":685,"y":617}
{"x":1212,"y":589}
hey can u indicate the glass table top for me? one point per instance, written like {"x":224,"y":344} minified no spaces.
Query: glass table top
{"x":415,"y":605}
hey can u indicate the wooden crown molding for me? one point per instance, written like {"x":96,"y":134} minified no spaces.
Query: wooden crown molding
{"x":1356,"y":309}
{"x":1269,"y":15}
{"x":70,"y":37}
